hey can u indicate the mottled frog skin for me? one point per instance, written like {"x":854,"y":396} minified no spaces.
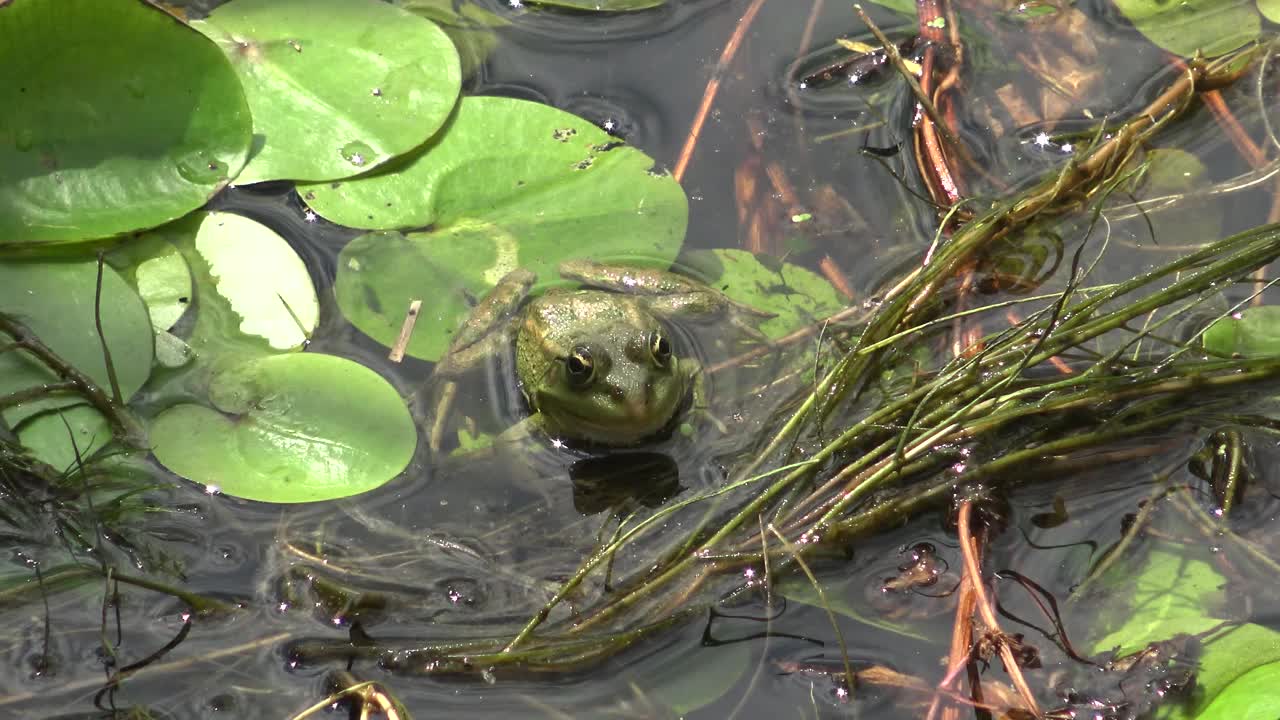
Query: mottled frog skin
{"x":595,"y":365}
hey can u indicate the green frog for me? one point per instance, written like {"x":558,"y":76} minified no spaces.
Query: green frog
{"x":597,"y":365}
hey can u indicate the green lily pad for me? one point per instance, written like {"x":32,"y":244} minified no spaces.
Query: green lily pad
{"x":56,"y":300}
{"x":50,"y":440}
{"x":261,"y":277}
{"x":116,"y":118}
{"x":1270,"y":9}
{"x":839,"y":599}
{"x":1176,"y":590}
{"x":160,"y":275}
{"x":1252,"y":696}
{"x":469,"y":27}
{"x":797,"y":296}
{"x":601,"y":5}
{"x":1214,"y":27}
{"x":509,"y":184}
{"x":1254,"y":332}
{"x":337,"y":87}
{"x":288,"y":429}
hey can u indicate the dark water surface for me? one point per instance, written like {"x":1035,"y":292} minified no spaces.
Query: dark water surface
{"x":474,"y":550}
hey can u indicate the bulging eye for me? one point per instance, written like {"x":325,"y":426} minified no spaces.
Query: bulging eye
{"x":659,"y":348}
{"x":579,"y":367}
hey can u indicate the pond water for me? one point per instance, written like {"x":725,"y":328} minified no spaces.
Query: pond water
{"x":455,"y":551}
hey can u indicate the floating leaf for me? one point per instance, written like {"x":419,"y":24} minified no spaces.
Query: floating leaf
{"x":1251,"y":696}
{"x":336,"y":86}
{"x":160,"y":275}
{"x":290,"y":428}
{"x":261,"y":277}
{"x":56,"y":300}
{"x":509,"y":184}
{"x":797,"y":296}
{"x":469,"y":27}
{"x":1270,"y":9}
{"x":51,"y":440}
{"x":116,"y":118}
{"x":1214,"y":27}
{"x":1255,"y":332}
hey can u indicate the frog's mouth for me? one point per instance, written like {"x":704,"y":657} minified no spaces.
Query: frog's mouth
{"x":621,"y":429}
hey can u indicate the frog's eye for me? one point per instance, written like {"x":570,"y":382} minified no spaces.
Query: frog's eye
{"x":579,"y":367}
{"x":660,"y":348}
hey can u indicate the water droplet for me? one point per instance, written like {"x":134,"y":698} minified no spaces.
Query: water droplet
{"x":358,"y":153}
{"x":201,"y":168}
{"x":24,"y":139}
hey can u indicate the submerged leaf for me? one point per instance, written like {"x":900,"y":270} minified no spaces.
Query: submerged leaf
{"x":261,"y":277}
{"x":1251,"y":696}
{"x":289,"y":429}
{"x":797,"y":296}
{"x":116,"y":118}
{"x":337,"y":87}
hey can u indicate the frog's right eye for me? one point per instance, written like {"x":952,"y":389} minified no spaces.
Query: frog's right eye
{"x":579,"y":367}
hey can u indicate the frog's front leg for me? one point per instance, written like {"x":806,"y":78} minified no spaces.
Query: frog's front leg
{"x":699,"y":410}
{"x":486,"y":331}
{"x":666,"y":293}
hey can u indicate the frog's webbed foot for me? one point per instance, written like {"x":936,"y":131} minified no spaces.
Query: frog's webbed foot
{"x":485,"y":332}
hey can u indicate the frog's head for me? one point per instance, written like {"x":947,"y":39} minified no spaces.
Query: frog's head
{"x":616,"y":388}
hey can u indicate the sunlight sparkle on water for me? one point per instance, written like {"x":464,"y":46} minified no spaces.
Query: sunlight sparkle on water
{"x":1041,"y":140}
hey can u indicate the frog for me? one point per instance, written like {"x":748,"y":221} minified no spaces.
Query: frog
{"x":597,"y":365}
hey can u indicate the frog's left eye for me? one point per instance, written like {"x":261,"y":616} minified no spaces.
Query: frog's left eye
{"x":579,"y":367}
{"x":660,"y":348}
